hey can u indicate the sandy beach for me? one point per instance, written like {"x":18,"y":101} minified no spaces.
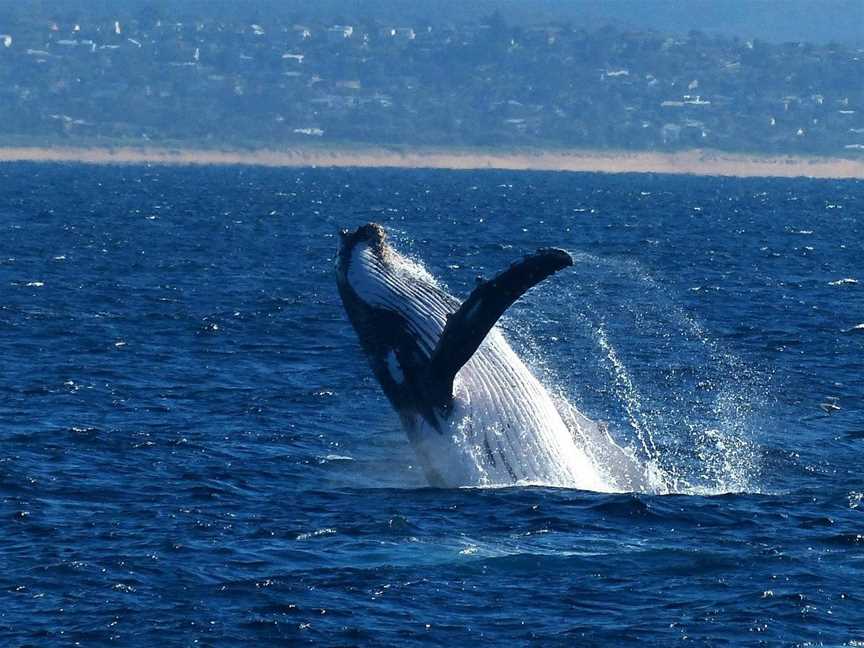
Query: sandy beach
{"x":694,"y":162}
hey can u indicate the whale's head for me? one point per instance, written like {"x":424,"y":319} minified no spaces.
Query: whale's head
{"x":395,"y":306}
{"x":367,"y":244}
{"x":363,"y":266}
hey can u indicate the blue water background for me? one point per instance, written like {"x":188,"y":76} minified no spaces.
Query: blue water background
{"x":193,"y":450}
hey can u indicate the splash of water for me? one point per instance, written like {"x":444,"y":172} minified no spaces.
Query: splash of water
{"x":683,"y":408}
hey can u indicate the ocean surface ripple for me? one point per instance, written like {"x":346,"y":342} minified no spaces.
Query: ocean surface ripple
{"x":193,"y":446}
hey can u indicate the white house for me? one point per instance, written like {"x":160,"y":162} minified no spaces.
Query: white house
{"x":402,"y":34}
{"x":339,"y":33}
{"x":696,"y":100}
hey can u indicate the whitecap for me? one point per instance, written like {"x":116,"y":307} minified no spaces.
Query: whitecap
{"x":336,"y":457}
{"x":316,"y":534}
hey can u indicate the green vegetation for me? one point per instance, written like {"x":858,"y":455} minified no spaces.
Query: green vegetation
{"x":147,"y":76}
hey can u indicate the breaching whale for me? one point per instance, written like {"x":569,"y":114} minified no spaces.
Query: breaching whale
{"x":474,"y":412}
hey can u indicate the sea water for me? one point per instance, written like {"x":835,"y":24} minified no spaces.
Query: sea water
{"x":193,"y":449}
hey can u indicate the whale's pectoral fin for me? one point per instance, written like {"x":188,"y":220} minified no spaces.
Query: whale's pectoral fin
{"x":467,"y":327}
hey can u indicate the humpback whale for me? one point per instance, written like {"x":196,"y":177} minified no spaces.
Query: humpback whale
{"x":473,"y":411}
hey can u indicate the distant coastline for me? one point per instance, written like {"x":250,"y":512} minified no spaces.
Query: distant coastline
{"x":691,"y":162}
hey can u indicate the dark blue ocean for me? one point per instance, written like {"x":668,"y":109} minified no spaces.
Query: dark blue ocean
{"x":193,"y":450}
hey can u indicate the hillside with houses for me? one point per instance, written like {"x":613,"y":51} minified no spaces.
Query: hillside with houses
{"x":235,"y":80}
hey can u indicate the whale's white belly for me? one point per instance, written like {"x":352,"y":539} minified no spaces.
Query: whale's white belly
{"x":503,"y":428}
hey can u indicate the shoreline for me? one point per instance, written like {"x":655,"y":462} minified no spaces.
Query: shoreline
{"x":690,"y":162}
